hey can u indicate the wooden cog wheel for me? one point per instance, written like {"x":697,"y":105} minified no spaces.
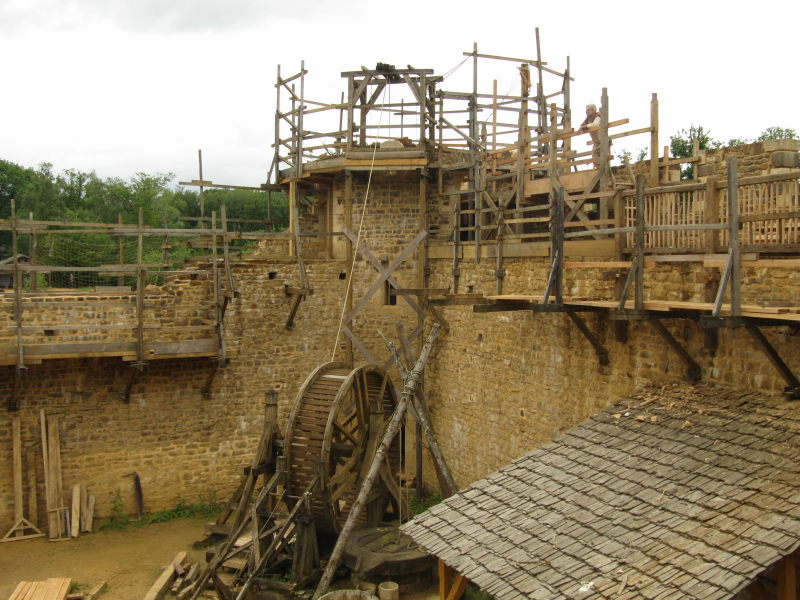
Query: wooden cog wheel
{"x":334,"y":427}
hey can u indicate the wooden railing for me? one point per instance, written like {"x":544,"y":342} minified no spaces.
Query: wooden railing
{"x":769,"y":215}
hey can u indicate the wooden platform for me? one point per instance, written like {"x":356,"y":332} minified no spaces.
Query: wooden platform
{"x":55,"y":588}
{"x":782,"y":313}
{"x":35,"y":353}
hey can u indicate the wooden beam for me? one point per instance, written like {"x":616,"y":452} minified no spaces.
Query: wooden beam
{"x":654,"y":140}
{"x":385,"y":275}
{"x":446,"y":481}
{"x":458,"y":588}
{"x":787,"y":578}
{"x":445,"y":576}
{"x":792,"y":382}
{"x":16,"y":450}
{"x":602,"y":353}
{"x":56,"y":502}
{"x":734,"y":244}
{"x":693,"y":371}
{"x":161,"y":585}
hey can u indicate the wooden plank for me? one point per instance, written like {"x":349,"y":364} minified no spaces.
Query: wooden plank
{"x":51,"y":517}
{"x":56,"y":588}
{"x":607,"y":264}
{"x":20,"y":591}
{"x":388,"y":162}
{"x":34,"y":588}
{"x":162,"y":584}
{"x":16,"y":443}
{"x":771,"y":178}
{"x":95,"y":591}
{"x":90,"y":513}
{"x":33,"y":504}
{"x":789,"y":263}
{"x":75,"y":521}
{"x":201,"y":347}
{"x":84,"y":507}
{"x":54,"y":459}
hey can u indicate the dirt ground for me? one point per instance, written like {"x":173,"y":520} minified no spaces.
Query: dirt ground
{"x":129,"y":560}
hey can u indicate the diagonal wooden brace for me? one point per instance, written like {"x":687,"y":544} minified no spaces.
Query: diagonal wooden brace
{"x":692,"y":368}
{"x":793,"y":388}
{"x":360,"y":247}
{"x":602,"y":353}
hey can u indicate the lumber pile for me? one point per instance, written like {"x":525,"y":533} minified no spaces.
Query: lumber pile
{"x":64,"y":519}
{"x":22,"y":528}
{"x":177,"y":578}
{"x":55,"y":588}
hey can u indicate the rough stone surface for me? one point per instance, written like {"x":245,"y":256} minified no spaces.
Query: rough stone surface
{"x":498,"y":384}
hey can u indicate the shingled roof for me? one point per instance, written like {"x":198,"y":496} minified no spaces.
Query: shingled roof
{"x":674,"y":492}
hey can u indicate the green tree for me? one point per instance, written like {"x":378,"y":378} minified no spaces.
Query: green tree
{"x":681,"y":145}
{"x":41,"y":196}
{"x":777,"y":133}
{"x":13,"y":179}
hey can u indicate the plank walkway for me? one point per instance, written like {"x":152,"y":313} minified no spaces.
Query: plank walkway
{"x":782,"y":313}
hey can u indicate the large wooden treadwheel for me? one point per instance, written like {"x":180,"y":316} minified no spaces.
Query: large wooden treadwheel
{"x":335,"y":424}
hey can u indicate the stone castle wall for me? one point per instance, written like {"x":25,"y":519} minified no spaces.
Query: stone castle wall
{"x":180,"y":310}
{"x":499,"y":384}
{"x":503,"y":383}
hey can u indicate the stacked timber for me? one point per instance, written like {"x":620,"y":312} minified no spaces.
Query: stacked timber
{"x":55,"y":588}
{"x":178,"y":578}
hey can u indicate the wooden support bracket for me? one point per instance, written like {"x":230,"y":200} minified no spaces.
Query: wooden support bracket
{"x":137,"y":370}
{"x":216,"y":363}
{"x":693,"y":370}
{"x":293,"y":311}
{"x":792,"y":390}
{"x":602,"y":353}
{"x":505,"y":306}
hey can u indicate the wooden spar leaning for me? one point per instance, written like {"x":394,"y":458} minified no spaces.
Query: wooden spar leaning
{"x":423,"y":418}
{"x":409,"y":387}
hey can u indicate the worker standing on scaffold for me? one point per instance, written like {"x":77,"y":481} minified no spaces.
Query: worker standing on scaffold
{"x":592,"y":120}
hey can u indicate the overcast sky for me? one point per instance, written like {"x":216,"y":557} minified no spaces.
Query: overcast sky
{"x":121,"y":86}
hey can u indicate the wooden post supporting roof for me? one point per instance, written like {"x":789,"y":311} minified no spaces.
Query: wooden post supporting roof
{"x":786,"y":584}
{"x":450,"y":588}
